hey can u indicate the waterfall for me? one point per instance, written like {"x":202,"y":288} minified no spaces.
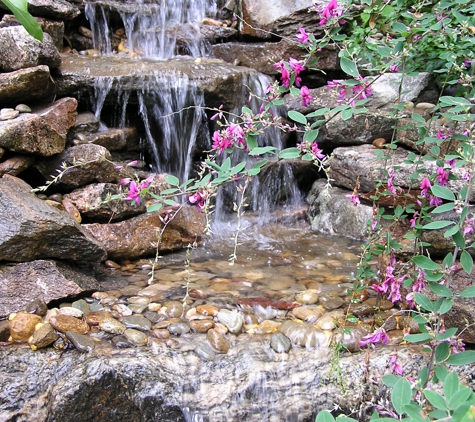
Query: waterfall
{"x":157,"y":29}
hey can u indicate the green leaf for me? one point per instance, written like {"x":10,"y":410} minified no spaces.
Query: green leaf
{"x":451,"y":386}
{"x":251,"y":142}
{"x":289,"y":153}
{"x":463,"y":358}
{"x":349,"y":67}
{"x":467,"y":262}
{"x":401,"y":395}
{"x":170,"y":202}
{"x":454,"y":101}
{"x":169,"y":191}
{"x":172,"y":180}
{"x":446,"y":306}
{"x":154,"y":207}
{"x":447,"y":334}
{"x":399,"y":27}
{"x":342,"y":418}
{"x":443,"y":208}
{"x":390,"y":380}
{"x":324,"y":416}
{"x":435,"y":399}
{"x":347,"y":114}
{"x":423,"y":301}
{"x":442,"y":352}
{"x":438,"y":225}
{"x":319,"y":112}
{"x":464,"y":413}
{"x":459,"y":396}
{"x":310,"y":135}
{"x":418,"y":118}
{"x":441,"y":372}
{"x":418,"y":338}
{"x":425,"y":263}
{"x":20,"y":9}
{"x":415,"y":413}
{"x":261,"y":150}
{"x":238,"y":168}
{"x":442,"y":192}
{"x":297,"y":117}
{"x":441,"y":290}
{"x":468,"y":292}
{"x":459,"y":240}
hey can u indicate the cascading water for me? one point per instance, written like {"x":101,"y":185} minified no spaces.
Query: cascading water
{"x":153,"y":28}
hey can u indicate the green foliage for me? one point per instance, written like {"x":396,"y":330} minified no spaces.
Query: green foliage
{"x":20,"y":9}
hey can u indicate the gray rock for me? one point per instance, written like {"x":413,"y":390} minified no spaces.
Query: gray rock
{"x":42,"y":132}
{"x":86,"y":123}
{"x":87,"y":163}
{"x":54,"y":9}
{"x":280,"y":343}
{"x":262,"y":56}
{"x":31,"y":229}
{"x":137,"y":322}
{"x":27,"y":85}
{"x":331,"y":212}
{"x":19,"y":49}
{"x":152,"y":384}
{"x":47,"y":280}
{"x":281,"y":17}
{"x":81,"y":342}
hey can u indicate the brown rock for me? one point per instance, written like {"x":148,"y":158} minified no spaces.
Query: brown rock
{"x":201,"y":326}
{"x":207,"y":310}
{"x":28,"y":85}
{"x":134,"y":238}
{"x":42,"y":132}
{"x":64,"y":323}
{"x":217,"y":341}
{"x":161,"y":333}
{"x":71,"y":209}
{"x":22,"y":326}
{"x":42,"y":337}
{"x":16,"y":165}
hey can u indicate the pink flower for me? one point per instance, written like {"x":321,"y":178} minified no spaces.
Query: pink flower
{"x":354,"y":198}
{"x":318,"y":152}
{"x":285,"y":78}
{"x":133,"y":163}
{"x":198,"y":198}
{"x":390,"y":182}
{"x":441,"y":135}
{"x":303,"y":36}
{"x":425,"y":186}
{"x":442,"y":176}
{"x":413,"y":220}
{"x":125,"y":181}
{"x":435,"y":201}
{"x":331,"y":10}
{"x":396,"y":368}
{"x":395,"y":294}
{"x":379,"y":336}
{"x":393,"y":68}
{"x":134,"y":193}
{"x":469,"y":226}
{"x":306,"y":97}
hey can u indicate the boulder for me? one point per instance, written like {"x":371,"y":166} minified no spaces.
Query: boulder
{"x":15,"y":165}
{"x":265,"y":19}
{"x":367,"y":164}
{"x":86,"y":164}
{"x":332,"y":212}
{"x":53,"y":9}
{"x":262,"y":56}
{"x":41,"y":132}
{"x":30,"y":229}
{"x":30,"y":85}
{"x":18,"y":50}
{"x":21,"y":284}
{"x":52,"y":27}
{"x":153,"y":383}
{"x":94,"y":203}
{"x":134,"y":238}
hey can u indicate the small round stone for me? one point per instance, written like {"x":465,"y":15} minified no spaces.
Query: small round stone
{"x":231,"y":319}
{"x":93,"y":318}
{"x":174,"y":309}
{"x":280,"y":343}
{"x":136,"y":337}
{"x":179,"y":328}
{"x":201,"y":326}
{"x":71,"y":311}
{"x":8,"y":114}
{"x":137,"y":322}
{"x":81,"y":342}
{"x":23,"y":108}
{"x":43,"y":337}
{"x":63,"y":323}
{"x":161,"y":333}
{"x":111,"y":325}
{"x":218,"y":342}
{"x":120,"y":342}
{"x":82,"y":305}
{"x":205,"y":352}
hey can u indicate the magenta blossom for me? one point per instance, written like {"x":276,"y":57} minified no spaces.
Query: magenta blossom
{"x":134,"y":194}
{"x":393,"y":68}
{"x":425,"y":186}
{"x":442,"y":176}
{"x":306,"y":97}
{"x":354,"y":198}
{"x":332,"y":10}
{"x":396,"y":368}
{"x":198,"y":199}
{"x":379,"y":336}
{"x":303,"y":36}
{"x":317,"y":151}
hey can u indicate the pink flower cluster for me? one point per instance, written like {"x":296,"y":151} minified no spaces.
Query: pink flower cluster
{"x":333,"y":10}
{"x":136,"y":190}
{"x":390,"y":283}
{"x":294,"y":66}
{"x":232,"y":136}
{"x":198,"y":199}
{"x":361,"y":91}
{"x":312,"y":148}
{"x":378,"y":336}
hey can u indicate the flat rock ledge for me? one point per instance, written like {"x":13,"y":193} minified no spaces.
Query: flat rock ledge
{"x":162,"y":383}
